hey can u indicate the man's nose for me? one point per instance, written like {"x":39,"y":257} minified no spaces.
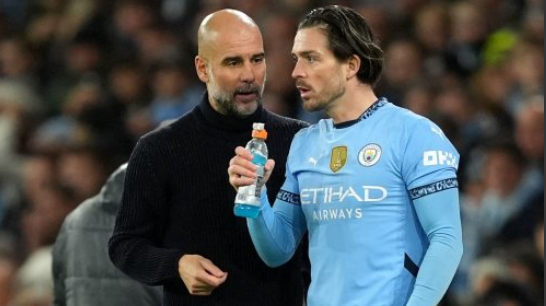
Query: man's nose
{"x":248,"y":74}
{"x":297,"y":72}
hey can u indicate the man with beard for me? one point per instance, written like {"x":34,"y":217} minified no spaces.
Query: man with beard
{"x":176,"y":226}
{"x":375,"y":185}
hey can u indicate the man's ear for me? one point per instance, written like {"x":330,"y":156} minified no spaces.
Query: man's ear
{"x":353,"y":66}
{"x":201,"y":68}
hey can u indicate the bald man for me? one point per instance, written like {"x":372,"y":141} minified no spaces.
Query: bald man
{"x":176,"y":225}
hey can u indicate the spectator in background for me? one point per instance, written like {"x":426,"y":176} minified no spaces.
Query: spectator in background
{"x":73,"y":162}
{"x":532,"y":20}
{"x":475,"y":123}
{"x":296,"y":7}
{"x":529,"y":136}
{"x":128,"y":85}
{"x":19,"y":113}
{"x":379,"y":19}
{"x":468,"y":32}
{"x":19,"y":110}
{"x":14,"y":11}
{"x":484,"y":272}
{"x":82,"y":272}
{"x":62,"y":128}
{"x":81,"y":65}
{"x":528,"y":133}
{"x":17,"y":62}
{"x":526,"y":266}
{"x":524,"y":224}
{"x":75,"y":15}
{"x":503,"y":194}
{"x":174,"y":91}
{"x":403,"y":67}
{"x":39,"y":172}
{"x":41,"y":224}
{"x":506,"y":293}
{"x":419,"y":98}
{"x":281,"y":96}
{"x":526,"y":67}
{"x":256,"y":8}
{"x":128,"y":19}
{"x":490,"y":86}
{"x":44,"y":18}
{"x":156,"y":43}
{"x":431,"y":30}
{"x":78,"y":169}
{"x":502,"y":197}
{"x":129,"y":90}
{"x":8,"y":267}
{"x":90,"y":131}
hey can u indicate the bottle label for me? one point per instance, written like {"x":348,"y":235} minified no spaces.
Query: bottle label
{"x":258,"y":158}
{"x":260,"y":172}
{"x":250,"y":195}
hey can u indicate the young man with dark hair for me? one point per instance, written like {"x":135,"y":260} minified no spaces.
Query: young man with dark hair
{"x":375,"y":186}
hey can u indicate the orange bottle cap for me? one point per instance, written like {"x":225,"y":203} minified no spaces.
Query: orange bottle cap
{"x":261,"y":134}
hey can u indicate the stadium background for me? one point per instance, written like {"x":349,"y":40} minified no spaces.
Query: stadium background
{"x":81,"y":80}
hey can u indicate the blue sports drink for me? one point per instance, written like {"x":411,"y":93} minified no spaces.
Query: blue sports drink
{"x":247,"y":201}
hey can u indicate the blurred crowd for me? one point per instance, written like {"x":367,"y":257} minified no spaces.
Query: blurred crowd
{"x":82,"y":80}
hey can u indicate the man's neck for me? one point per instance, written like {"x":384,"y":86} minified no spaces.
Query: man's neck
{"x":353,"y":104}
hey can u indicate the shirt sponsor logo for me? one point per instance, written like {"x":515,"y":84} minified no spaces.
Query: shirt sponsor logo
{"x":337,"y":214}
{"x":369,"y":155}
{"x":324,"y":200}
{"x":340,"y":194}
{"x":339,"y":158}
{"x":435,"y":158}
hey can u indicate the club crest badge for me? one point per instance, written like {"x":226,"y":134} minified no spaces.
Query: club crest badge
{"x":369,"y":155}
{"x":339,"y":158}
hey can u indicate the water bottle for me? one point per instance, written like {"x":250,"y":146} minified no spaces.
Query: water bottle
{"x":247,"y":201}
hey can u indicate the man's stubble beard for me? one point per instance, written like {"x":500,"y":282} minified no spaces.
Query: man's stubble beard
{"x":325,"y":98}
{"x":226,"y":103}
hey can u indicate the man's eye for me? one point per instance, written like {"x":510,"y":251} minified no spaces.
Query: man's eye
{"x":258,"y":60}
{"x":310,"y":58}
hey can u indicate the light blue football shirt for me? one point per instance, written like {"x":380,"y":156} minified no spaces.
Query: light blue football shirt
{"x":358,"y":191}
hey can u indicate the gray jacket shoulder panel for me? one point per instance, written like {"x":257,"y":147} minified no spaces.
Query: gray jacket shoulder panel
{"x":82,"y":266}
